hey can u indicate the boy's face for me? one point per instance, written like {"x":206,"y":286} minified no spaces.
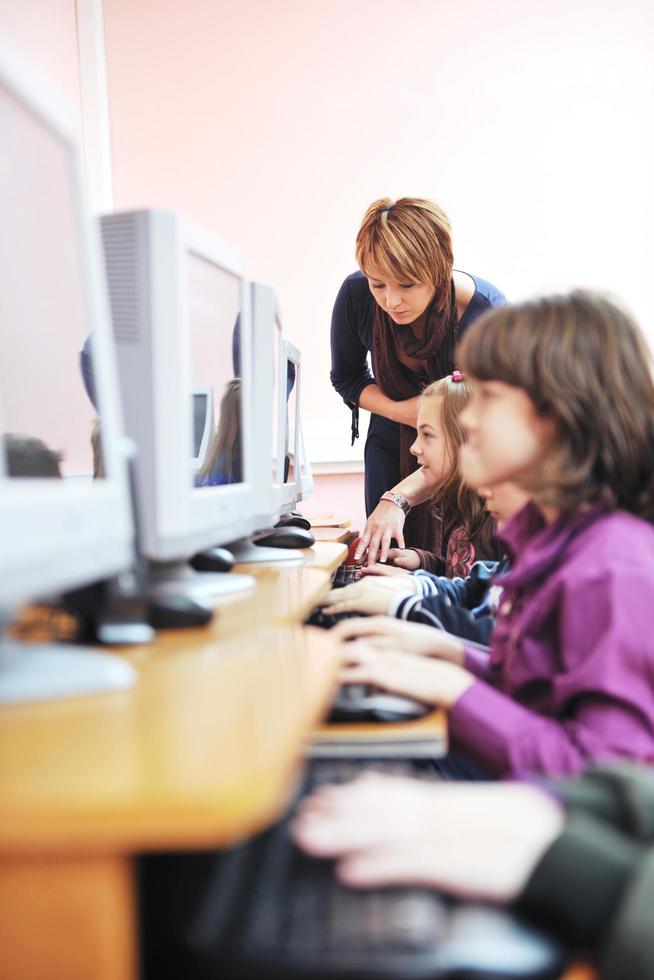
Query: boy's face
{"x":503,"y":501}
{"x":506,"y":440}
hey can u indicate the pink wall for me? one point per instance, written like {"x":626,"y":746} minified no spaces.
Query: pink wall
{"x":45,"y":30}
{"x":340,"y":494}
{"x":276,"y":122}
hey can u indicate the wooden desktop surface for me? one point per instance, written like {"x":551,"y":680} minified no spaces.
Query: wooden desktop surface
{"x":331,"y":533}
{"x":202,"y":751}
{"x":197,"y":754}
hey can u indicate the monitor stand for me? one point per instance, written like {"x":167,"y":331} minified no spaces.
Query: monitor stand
{"x":246,"y":552}
{"x":178,"y":578}
{"x":48,"y":672}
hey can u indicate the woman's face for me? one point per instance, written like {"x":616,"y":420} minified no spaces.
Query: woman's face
{"x":506,"y":439}
{"x":430,"y":447}
{"x":403,"y":301}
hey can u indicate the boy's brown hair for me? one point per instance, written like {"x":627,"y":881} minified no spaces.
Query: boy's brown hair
{"x":584,"y":363}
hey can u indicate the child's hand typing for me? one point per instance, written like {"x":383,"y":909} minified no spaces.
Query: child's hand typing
{"x":473,"y":840}
{"x":430,"y":681}
{"x":386,"y":633}
{"x":372,"y":595}
{"x":405,"y":558}
{"x":384,"y":571}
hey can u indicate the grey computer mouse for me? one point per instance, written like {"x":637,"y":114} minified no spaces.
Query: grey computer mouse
{"x":285,"y":537}
{"x":213,"y":560}
{"x":359,"y":702}
{"x":294,"y":520}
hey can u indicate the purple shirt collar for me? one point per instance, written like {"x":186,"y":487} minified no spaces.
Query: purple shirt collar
{"x":534,"y":546}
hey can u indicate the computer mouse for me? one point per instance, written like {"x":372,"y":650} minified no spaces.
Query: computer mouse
{"x":177,"y":612}
{"x":213,"y":560}
{"x":294,"y":520}
{"x":285,"y":537}
{"x":364,"y":703}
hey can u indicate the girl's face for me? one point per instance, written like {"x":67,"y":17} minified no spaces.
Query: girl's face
{"x":403,"y":301}
{"x":430,"y":447}
{"x":506,"y":440}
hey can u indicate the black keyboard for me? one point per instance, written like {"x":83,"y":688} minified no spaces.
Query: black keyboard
{"x":266,"y":910}
{"x":345,"y":575}
{"x":327,"y":620}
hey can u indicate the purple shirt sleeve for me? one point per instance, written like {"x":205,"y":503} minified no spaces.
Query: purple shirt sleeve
{"x":601,"y":693}
{"x":477,"y":661}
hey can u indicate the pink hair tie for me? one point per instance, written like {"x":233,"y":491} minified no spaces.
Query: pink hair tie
{"x":457,"y":376}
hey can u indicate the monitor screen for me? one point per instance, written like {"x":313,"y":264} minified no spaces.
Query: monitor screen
{"x":289,"y":394}
{"x":59,"y":526}
{"x":214,"y":297}
{"x":203,"y":425}
{"x":179,"y":304}
{"x":290,"y":438}
{"x":46,"y":414}
{"x":278,"y":464}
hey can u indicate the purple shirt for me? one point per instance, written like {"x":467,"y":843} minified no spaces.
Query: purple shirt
{"x":570,"y":674}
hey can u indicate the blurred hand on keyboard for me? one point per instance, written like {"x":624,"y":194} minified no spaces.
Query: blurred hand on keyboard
{"x":473,"y":840}
{"x":371,"y":595}
{"x":430,"y":681}
{"x":386,"y":633}
{"x":384,"y":571}
{"x":405,"y":558}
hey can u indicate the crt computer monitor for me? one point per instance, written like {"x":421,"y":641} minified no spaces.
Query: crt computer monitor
{"x":273,"y":397}
{"x":288,"y":426}
{"x":176,"y":293}
{"x":305,"y":472}
{"x":66,"y":530}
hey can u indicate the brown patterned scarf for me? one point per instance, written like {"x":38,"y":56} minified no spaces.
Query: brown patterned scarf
{"x":431,"y":338}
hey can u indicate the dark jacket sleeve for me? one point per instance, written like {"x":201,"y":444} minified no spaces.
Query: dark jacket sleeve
{"x":595,"y":884}
{"x":350,"y":373}
{"x":468,"y":592}
{"x":430,"y":562}
{"x":440,"y":612}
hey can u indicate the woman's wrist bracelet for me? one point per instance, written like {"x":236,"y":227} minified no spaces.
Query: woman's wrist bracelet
{"x":398,"y":500}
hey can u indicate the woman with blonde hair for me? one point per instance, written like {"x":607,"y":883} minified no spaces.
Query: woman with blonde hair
{"x":408,"y":308}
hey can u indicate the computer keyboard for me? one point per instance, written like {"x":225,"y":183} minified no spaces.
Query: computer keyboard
{"x":346,"y":574}
{"x":366,"y":703}
{"x":326,"y":620}
{"x":265,"y":911}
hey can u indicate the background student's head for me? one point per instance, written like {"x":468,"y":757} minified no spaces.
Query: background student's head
{"x":28,"y":456}
{"x":405,"y":250}
{"x":563,"y":404}
{"x":439,"y":431}
{"x":439,"y":436}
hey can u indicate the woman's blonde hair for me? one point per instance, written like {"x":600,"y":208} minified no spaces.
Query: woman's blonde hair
{"x":584,"y":364}
{"x":464,"y":503}
{"x":408,"y":240}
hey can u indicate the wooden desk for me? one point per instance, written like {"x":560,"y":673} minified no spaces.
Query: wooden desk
{"x":331,"y":533}
{"x":324,"y":555}
{"x":197,"y":754}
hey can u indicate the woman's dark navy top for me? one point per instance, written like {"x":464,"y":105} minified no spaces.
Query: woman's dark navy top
{"x":351,"y":341}
{"x":351,"y":332}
